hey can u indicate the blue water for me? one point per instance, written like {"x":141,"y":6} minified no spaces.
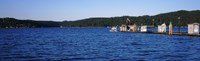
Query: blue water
{"x":167,"y":29}
{"x":94,"y":44}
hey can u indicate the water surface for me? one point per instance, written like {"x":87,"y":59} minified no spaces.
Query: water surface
{"x":94,"y":44}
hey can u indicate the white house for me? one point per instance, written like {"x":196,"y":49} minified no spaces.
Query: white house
{"x":143,"y":28}
{"x":123,"y":28}
{"x":162,"y":28}
{"x":133,"y":28}
{"x":193,"y":28}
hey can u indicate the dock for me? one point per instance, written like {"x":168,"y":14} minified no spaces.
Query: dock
{"x":193,"y":29}
{"x":178,"y":33}
{"x":167,"y":33}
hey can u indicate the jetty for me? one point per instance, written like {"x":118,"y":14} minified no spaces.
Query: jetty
{"x":167,"y":33}
{"x":193,"y":29}
{"x":175,"y":33}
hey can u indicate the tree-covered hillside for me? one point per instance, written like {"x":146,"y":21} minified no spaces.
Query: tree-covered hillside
{"x":15,"y":23}
{"x":181,"y":18}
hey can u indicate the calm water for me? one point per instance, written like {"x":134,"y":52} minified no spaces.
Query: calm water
{"x":94,"y":44}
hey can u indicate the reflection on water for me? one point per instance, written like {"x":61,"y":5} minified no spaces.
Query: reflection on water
{"x":96,"y":44}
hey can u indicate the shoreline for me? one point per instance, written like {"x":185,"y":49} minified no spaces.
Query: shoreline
{"x":76,"y":27}
{"x":166,"y":33}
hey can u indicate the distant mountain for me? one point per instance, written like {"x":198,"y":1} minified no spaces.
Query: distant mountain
{"x":178,"y":18}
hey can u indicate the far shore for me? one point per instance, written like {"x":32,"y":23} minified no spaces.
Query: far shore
{"x":56,"y":27}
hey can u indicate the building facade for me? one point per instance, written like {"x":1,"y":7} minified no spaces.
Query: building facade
{"x":143,"y":28}
{"x":193,"y":28}
{"x":162,"y":28}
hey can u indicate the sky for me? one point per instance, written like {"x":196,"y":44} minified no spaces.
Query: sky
{"x":60,"y":10}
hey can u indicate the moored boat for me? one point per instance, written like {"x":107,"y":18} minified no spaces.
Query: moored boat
{"x":113,"y":29}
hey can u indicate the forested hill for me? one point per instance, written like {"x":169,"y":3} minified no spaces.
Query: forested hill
{"x":181,"y":18}
{"x":16,"y":23}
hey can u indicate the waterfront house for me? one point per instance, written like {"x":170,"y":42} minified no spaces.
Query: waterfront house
{"x":143,"y":28}
{"x":123,"y":28}
{"x":133,"y":28}
{"x":162,"y":28}
{"x":193,"y":28}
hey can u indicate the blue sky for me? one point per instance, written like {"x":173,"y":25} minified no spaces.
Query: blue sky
{"x":59,"y":10}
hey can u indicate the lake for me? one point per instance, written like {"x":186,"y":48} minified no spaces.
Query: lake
{"x":94,"y":44}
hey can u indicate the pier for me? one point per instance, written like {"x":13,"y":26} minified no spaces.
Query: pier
{"x":175,"y":33}
{"x":167,"y":33}
{"x":193,"y":29}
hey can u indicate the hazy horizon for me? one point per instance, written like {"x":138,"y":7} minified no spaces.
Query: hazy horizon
{"x":71,"y":10}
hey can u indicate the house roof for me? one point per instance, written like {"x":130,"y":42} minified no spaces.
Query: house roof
{"x":194,"y":24}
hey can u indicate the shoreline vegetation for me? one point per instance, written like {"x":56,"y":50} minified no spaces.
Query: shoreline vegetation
{"x":178,"y":18}
{"x":56,"y":27}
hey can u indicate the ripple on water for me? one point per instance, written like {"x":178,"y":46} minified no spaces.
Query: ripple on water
{"x":94,"y":44}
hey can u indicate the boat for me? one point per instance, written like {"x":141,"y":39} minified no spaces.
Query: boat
{"x":113,"y":29}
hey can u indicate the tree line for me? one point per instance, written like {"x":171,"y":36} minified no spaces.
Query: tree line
{"x":16,"y":23}
{"x":178,"y":18}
